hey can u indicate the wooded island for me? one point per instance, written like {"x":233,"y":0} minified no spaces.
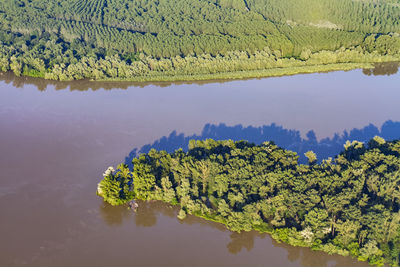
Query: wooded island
{"x":348,"y":205}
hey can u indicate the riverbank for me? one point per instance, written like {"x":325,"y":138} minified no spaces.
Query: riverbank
{"x":233,"y":65}
{"x":251,"y":74}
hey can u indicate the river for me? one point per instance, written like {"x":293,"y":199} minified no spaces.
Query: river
{"x":56,"y":139}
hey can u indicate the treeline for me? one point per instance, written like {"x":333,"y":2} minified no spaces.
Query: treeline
{"x":348,"y":205}
{"x":38,"y":36}
{"x":73,"y":61}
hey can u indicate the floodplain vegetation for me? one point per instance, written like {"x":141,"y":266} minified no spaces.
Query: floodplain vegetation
{"x":142,"y":40}
{"x":349,"y":205}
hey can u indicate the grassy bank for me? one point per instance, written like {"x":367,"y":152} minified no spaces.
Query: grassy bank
{"x":250,"y":74}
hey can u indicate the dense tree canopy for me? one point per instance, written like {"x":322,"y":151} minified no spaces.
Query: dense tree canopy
{"x":349,"y":205}
{"x":59,"y":39}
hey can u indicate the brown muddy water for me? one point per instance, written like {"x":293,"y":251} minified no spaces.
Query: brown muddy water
{"x":56,"y":139}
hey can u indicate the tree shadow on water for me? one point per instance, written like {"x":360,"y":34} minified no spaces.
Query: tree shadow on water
{"x":287,"y":138}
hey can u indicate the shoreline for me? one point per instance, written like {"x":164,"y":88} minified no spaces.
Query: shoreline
{"x":250,"y":74}
{"x":227,"y":76}
{"x":376,"y":68}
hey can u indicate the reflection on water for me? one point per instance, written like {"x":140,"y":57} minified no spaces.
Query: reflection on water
{"x":286,"y":138}
{"x":148,"y":213}
{"x":243,"y":240}
{"x":114,"y":216}
{"x":85,"y":85}
{"x":308,"y":258}
{"x":145,"y":216}
{"x":386,"y":68}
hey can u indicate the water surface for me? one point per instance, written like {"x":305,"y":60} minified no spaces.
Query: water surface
{"x":56,"y":140}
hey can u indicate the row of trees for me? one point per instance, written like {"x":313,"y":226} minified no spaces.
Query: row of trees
{"x":349,"y":205}
{"x":63,"y":61}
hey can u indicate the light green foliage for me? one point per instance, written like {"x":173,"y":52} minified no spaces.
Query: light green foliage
{"x":153,"y":40}
{"x":182,"y":214}
{"x":116,"y":186}
{"x":311,"y":156}
{"x":317,"y":220}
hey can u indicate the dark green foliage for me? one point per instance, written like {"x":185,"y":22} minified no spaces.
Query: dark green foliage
{"x":349,"y":205}
{"x":121,"y":39}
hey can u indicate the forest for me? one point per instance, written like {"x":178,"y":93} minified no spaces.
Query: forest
{"x":193,"y":39}
{"x":348,"y":205}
